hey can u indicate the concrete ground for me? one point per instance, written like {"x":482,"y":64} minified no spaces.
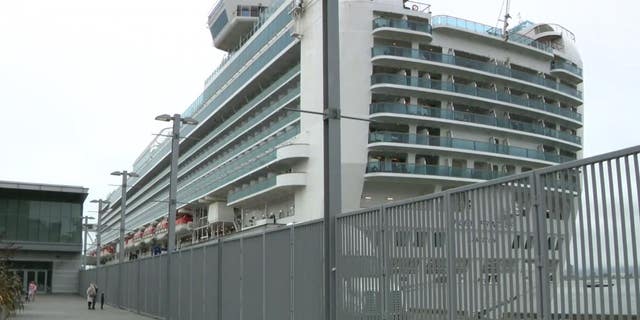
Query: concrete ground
{"x":70,"y":307}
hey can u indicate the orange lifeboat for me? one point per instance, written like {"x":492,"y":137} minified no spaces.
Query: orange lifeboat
{"x":137,"y":238}
{"x":184,"y":224}
{"x":162,"y":230}
{"x":149,"y":235}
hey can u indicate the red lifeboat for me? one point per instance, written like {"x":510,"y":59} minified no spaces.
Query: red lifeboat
{"x":162,"y":230}
{"x":107,"y":251}
{"x":183,"y":224}
{"x":149,"y":235}
{"x":137,"y":238}
{"x":128,"y":242}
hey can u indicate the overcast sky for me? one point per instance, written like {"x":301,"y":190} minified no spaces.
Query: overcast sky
{"x":81,"y":81}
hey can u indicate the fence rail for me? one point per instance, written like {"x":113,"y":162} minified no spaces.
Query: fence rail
{"x":556,"y":243}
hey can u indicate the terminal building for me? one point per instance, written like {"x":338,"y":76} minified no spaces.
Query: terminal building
{"x":450,"y":102}
{"x":41,"y":232}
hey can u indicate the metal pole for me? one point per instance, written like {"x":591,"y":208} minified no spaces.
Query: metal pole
{"x":123,"y":212}
{"x":84,"y":248}
{"x":173,"y":188}
{"x":331,"y":146}
{"x":98,"y":242}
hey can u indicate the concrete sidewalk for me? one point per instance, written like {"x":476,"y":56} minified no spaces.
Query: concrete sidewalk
{"x":70,"y":307}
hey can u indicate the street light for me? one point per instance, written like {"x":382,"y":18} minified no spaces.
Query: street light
{"x":173,"y":188}
{"x":85,"y":227}
{"x":123,"y":207}
{"x":100,"y":203}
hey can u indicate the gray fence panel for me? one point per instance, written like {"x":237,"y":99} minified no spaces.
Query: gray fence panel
{"x":359,"y":264}
{"x":308,"y":272}
{"x":198,"y":278}
{"x":231,"y":282}
{"x":184,"y":283}
{"x":252,"y":278}
{"x":278,"y":275}
{"x":592,"y":220}
{"x":211,"y":307}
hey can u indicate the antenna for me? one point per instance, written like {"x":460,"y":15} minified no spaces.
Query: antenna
{"x":506,"y":4}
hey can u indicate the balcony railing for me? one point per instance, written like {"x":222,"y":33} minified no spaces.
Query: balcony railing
{"x":474,"y":64}
{"x":382,"y":78}
{"x":416,"y":110}
{"x":259,"y":186}
{"x":488,"y":31}
{"x":432,"y":170}
{"x":401,"y":24}
{"x":564,"y":65}
{"x":409,"y":138}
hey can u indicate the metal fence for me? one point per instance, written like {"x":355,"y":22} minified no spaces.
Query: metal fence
{"x":555,"y":243}
{"x":267,"y":275}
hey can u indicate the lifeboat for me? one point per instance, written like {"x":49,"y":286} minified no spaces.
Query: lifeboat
{"x":128,"y":242}
{"x":137,"y":238}
{"x":107,"y":251}
{"x":148,"y":235}
{"x":162,"y":230}
{"x":184,"y":224}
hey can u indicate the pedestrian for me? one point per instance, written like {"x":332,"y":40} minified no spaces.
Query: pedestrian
{"x":91,"y":294}
{"x":33,"y":288}
{"x":102,"y":301}
{"x":95,"y":297}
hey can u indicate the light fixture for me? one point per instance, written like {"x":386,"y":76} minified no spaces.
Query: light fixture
{"x":367,"y":197}
{"x":163,"y":117}
{"x":116,"y":173}
{"x":190,"y":121}
{"x":390,"y":198}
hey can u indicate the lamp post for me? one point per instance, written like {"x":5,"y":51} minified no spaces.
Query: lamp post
{"x":173,"y":190}
{"x":123,"y":207}
{"x":85,"y":227}
{"x":100,"y":203}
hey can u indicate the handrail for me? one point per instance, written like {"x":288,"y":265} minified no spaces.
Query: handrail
{"x":385,"y":78}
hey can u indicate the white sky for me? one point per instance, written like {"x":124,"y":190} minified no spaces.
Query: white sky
{"x":81,"y":81}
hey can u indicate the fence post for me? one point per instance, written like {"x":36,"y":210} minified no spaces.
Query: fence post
{"x":540,"y":228}
{"x":384,"y":289}
{"x":451,"y":261}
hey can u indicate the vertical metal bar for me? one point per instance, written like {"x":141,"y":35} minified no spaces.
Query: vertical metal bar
{"x":609,"y":307}
{"x":623,"y":224}
{"x":538,"y":197}
{"x":596,"y":212}
{"x":292,"y":266}
{"x":616,"y":247}
{"x":99,"y":233}
{"x":332,"y":163}
{"x":219,"y":281}
{"x":451,"y":272}
{"x":582,"y":196}
{"x":592,"y":267}
{"x":495,"y":253}
{"x":632,"y":224}
{"x":572,"y":236}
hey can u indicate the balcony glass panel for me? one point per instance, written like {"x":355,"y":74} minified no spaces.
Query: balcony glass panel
{"x":474,"y":64}
{"x":566,"y":66}
{"x":401,"y":137}
{"x":401,"y":24}
{"x":381,"y":78}
{"x":410,"y":168}
{"x":488,"y":31}
{"x":400,"y":108}
{"x":259,"y":186}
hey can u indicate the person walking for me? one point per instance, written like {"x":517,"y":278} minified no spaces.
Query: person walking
{"x":33,"y":288}
{"x":91,"y":295}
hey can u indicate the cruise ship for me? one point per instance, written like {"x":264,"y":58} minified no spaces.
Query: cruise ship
{"x":448,"y":102}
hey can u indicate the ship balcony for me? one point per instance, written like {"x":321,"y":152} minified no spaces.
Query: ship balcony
{"x":487,"y":71}
{"x":263,"y":189}
{"x":402,"y":171}
{"x":229,"y":23}
{"x":484,"y":32}
{"x":566,"y":70}
{"x":402,"y":29}
{"x":273,"y":156}
{"x":401,"y":85}
{"x":407,"y":113}
{"x":404,"y":141}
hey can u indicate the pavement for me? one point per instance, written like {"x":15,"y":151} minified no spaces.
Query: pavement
{"x":71,"y":307}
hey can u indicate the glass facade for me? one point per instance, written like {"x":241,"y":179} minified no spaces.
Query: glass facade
{"x":40,"y":217}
